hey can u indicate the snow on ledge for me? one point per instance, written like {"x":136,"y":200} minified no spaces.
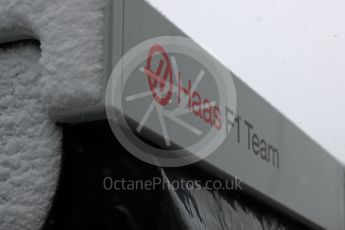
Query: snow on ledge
{"x":71,"y":36}
{"x":69,"y":75}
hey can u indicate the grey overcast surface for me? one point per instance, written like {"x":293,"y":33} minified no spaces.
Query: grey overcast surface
{"x":291,"y":52}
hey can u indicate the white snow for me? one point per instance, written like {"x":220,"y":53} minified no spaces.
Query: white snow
{"x":204,"y":209}
{"x":66,"y":72}
{"x":29,"y":142}
{"x":71,"y":34}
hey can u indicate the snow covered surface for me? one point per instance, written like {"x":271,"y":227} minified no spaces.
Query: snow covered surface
{"x":204,"y":213}
{"x":66,"y":72}
{"x":202,"y":209}
{"x":70,"y":32}
{"x":29,"y":142}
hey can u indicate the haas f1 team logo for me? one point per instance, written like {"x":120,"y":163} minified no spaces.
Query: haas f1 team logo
{"x":166,"y":102}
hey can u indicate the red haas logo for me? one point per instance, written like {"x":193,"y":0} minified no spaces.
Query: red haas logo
{"x":179,"y":93}
{"x":202,"y":108}
{"x":155,"y":78}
